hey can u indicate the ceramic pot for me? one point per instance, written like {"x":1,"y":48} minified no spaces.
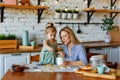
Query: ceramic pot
{"x":64,"y":15}
{"x":75,"y":15}
{"x":57,"y":15}
{"x":69,"y":16}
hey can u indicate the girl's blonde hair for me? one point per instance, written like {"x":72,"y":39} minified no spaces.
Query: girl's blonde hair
{"x":73,"y":38}
{"x":50,"y":27}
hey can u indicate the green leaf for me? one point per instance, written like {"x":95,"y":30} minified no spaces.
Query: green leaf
{"x":107,"y":24}
{"x":2,"y":37}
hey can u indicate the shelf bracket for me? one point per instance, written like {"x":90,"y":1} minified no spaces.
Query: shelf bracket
{"x":2,"y":13}
{"x":89,"y":15}
{"x":88,"y":5}
{"x":39,"y":2}
{"x":40,"y":11}
{"x":112,"y":3}
{"x":115,"y":14}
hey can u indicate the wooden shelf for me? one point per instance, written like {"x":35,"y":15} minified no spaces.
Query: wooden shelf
{"x":23,"y":7}
{"x":101,"y":10}
{"x":90,"y":11}
{"x":38,"y":7}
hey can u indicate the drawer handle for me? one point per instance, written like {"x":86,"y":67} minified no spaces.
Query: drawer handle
{"x":16,"y":54}
{"x":98,"y":48}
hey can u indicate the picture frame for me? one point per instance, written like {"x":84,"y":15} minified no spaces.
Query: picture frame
{"x":12,"y":2}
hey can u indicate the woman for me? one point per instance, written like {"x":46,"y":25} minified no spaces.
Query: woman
{"x":75,"y":54}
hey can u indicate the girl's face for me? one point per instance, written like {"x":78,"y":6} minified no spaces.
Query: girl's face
{"x":65,"y":37}
{"x":51,"y":35}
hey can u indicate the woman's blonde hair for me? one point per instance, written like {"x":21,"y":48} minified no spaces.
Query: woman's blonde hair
{"x":73,"y":38}
{"x":50,"y":27}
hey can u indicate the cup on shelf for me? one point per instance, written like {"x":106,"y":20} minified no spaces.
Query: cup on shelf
{"x":32,"y":43}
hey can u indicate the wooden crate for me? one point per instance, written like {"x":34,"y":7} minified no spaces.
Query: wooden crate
{"x":8,"y":44}
{"x":115,"y":35}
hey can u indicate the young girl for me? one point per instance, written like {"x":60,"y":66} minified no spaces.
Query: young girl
{"x":48,"y":53}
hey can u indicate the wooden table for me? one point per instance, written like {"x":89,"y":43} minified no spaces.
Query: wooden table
{"x":48,"y":76}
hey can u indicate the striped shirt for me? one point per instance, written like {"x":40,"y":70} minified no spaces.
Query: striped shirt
{"x":78,"y":53}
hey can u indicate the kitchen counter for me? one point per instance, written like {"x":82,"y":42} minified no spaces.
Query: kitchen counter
{"x":7,"y":51}
{"x":100,"y":44}
{"x":86,"y":44}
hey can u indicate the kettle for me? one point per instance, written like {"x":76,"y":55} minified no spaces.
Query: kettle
{"x":96,"y":60}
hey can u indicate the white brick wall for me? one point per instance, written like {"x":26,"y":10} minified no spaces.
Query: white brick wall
{"x":18,"y":20}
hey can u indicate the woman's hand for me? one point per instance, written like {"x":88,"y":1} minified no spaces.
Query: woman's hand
{"x":65,"y":63}
{"x":61,"y":53}
{"x":73,"y":63}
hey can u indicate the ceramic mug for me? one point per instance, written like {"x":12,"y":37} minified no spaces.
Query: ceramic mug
{"x":101,"y":69}
{"x":59,"y":61}
{"x":32,"y":43}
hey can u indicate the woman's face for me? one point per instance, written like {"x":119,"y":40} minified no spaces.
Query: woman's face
{"x":65,"y":37}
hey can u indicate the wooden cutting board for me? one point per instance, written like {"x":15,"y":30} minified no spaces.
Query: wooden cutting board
{"x":95,"y":74}
{"x":108,"y":76}
{"x":26,"y":47}
{"x":115,"y":34}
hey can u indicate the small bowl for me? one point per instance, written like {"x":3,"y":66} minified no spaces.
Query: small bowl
{"x":17,"y":68}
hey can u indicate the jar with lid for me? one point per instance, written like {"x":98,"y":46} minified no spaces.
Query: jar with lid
{"x":96,"y":60}
{"x":59,"y":60}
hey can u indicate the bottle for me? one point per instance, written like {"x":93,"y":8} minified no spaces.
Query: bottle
{"x":25,"y":38}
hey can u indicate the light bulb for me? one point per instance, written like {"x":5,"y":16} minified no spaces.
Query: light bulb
{"x":56,"y":2}
{"x":85,"y":1}
{"x":66,"y":9}
{"x":76,"y":8}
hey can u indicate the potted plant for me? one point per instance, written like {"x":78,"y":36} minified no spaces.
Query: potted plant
{"x":8,"y":41}
{"x":75,"y":14}
{"x":107,"y":26}
{"x":64,"y":14}
{"x":57,"y":13}
{"x":2,"y":37}
{"x":11,"y":37}
{"x":69,"y":16}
